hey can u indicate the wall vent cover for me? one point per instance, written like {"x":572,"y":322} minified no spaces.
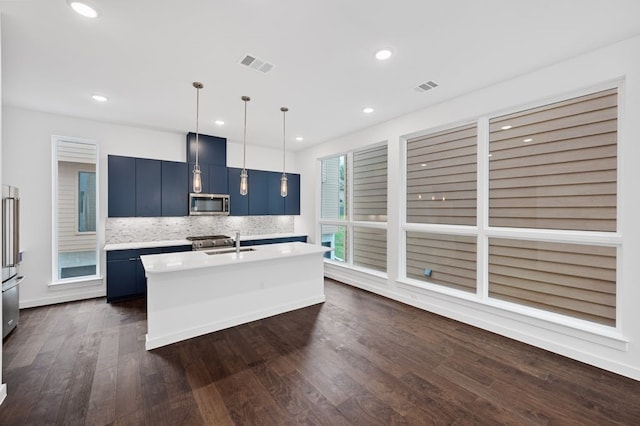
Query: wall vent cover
{"x":425,"y":86}
{"x":256,"y":63}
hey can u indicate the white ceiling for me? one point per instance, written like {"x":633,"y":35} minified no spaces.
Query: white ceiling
{"x":144,"y":55}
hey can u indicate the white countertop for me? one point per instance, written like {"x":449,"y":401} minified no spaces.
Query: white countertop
{"x":169,"y":243}
{"x":182,"y":261}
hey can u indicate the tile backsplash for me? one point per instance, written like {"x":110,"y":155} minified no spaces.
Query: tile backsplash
{"x":140,"y":229}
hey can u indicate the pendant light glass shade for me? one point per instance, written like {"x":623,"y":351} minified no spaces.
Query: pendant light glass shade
{"x":283,"y":179}
{"x":283,"y":185}
{"x":244,"y":182}
{"x":197,"y":180}
{"x":197,"y":177}
{"x":244,"y":176}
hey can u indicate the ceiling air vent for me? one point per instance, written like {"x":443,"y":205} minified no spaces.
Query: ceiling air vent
{"x":256,"y":63}
{"x":425,"y":86}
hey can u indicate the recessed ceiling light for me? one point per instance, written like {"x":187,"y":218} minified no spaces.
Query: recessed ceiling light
{"x":506,"y":127}
{"x":527,"y":140}
{"x":219,"y":123}
{"x":299,"y":138}
{"x":383,"y":54}
{"x":423,"y":165}
{"x":99,"y":98}
{"x":83,"y":8}
{"x":367,"y":110}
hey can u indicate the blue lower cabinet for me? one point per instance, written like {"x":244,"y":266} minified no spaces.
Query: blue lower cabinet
{"x":121,"y":279}
{"x":125,"y":272}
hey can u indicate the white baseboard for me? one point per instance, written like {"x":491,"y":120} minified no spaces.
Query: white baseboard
{"x":52,"y":300}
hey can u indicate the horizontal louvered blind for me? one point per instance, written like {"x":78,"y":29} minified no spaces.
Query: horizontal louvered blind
{"x":332,"y":188}
{"x":442,"y":177}
{"x":555,"y":166}
{"x":451,"y":259}
{"x":370,"y":184}
{"x":77,"y":152}
{"x":571,"y":279}
{"x":370,"y":248}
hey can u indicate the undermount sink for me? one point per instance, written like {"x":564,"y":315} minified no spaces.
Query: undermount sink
{"x":229,"y":251}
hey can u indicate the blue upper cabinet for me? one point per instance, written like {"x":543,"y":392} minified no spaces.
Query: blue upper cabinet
{"x":122,"y":186}
{"x":238,"y":204}
{"x":258,"y":192}
{"x":211,"y":150}
{"x":292,"y":200}
{"x":148,"y":190}
{"x":175,"y":188}
{"x":218,"y":180}
{"x":275,"y":200}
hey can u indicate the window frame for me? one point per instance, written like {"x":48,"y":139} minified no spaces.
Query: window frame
{"x":348,"y":222}
{"x":484,"y":232}
{"x":56,"y":280}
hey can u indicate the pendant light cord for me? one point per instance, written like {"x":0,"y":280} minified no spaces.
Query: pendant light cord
{"x":284,"y":113}
{"x":197,"y":125}
{"x":244,"y":137}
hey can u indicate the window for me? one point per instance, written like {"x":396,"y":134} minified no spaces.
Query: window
{"x":441,"y":194}
{"x":75,"y":206}
{"x":555,"y":168}
{"x":441,"y":177}
{"x":86,"y":202}
{"x":354,"y":207}
{"x":448,"y":260}
{"x":547,"y":235}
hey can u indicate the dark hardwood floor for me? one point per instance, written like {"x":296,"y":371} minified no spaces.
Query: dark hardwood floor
{"x":356,"y":359}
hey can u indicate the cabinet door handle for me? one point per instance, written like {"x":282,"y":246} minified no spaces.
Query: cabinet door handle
{"x":132,"y":258}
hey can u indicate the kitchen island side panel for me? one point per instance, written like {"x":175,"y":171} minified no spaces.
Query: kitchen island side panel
{"x":190,"y":303}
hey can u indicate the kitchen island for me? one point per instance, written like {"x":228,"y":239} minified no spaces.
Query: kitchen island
{"x":194,"y":293}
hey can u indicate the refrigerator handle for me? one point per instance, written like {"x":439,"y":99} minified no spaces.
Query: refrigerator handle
{"x":16,"y":232}
{"x":10,"y":225}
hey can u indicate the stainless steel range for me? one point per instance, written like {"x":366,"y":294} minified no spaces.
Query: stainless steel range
{"x":208,"y":242}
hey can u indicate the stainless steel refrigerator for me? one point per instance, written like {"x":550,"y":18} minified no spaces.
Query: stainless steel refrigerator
{"x":10,"y":258}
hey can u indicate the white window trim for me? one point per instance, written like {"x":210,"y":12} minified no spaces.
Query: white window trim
{"x":74,"y":282}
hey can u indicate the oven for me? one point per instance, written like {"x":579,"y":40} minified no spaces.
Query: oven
{"x":210,"y":242}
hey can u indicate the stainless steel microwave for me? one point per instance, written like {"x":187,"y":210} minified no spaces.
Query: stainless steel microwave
{"x":208,"y":204}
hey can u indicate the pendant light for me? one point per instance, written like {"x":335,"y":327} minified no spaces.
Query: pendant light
{"x":283,"y":179}
{"x":244,"y":176}
{"x":197,"y":177}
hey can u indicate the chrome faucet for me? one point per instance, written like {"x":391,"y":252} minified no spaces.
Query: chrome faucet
{"x":237,"y":242}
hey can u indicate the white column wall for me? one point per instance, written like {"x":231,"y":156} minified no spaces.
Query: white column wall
{"x":618,"y":61}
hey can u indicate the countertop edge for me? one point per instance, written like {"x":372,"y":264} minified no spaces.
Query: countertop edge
{"x":169,"y":243}
{"x":188,"y":261}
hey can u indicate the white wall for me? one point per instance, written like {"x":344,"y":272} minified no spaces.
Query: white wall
{"x":3,"y":387}
{"x":27,"y":164}
{"x":616,"y":350}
